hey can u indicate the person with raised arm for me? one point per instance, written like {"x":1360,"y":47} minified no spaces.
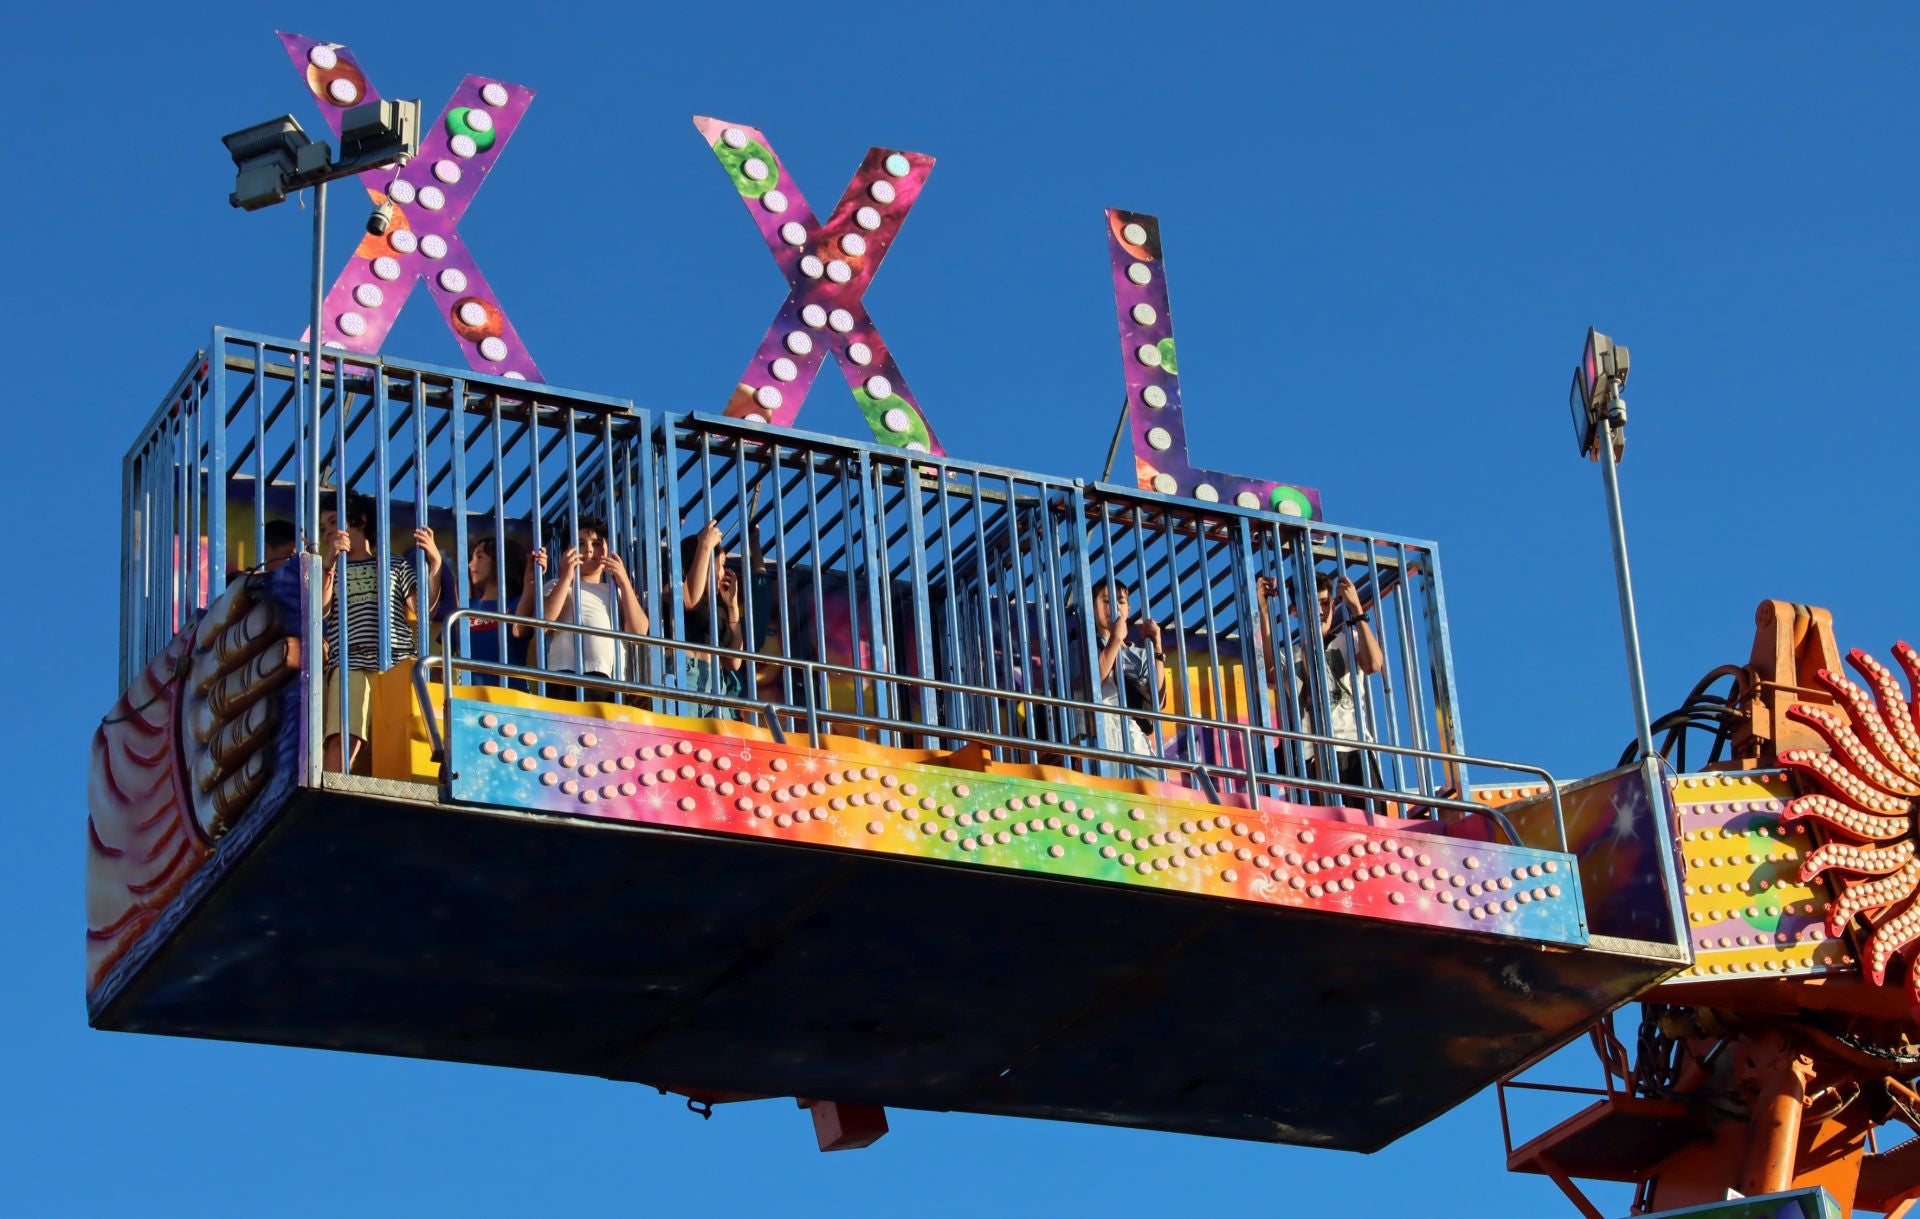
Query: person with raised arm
{"x":1349,"y":645}
{"x":605,"y":589}
{"x":712,"y":619}
{"x":362,"y":596}
{"x":1131,"y":659}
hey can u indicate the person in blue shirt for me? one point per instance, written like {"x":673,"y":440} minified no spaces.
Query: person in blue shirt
{"x":485,"y":592}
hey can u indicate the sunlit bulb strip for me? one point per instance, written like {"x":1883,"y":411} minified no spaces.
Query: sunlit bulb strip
{"x":1843,"y":856}
{"x":1836,"y":778}
{"x":1871,"y":895}
{"x":1866,"y":763}
{"x":1910,"y":662}
{"x":1842,"y":817}
{"x":1872,"y":727}
{"x":1888,"y":939}
{"x":1894,"y":712}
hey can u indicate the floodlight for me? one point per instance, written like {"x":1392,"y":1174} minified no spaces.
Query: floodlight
{"x":1602,"y":362}
{"x":1597,"y":382}
{"x":277,"y":156}
{"x":271,"y":157}
{"x":384,"y":132}
{"x":1584,"y":423}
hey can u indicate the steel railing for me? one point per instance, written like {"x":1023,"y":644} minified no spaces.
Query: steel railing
{"x":812,"y":715}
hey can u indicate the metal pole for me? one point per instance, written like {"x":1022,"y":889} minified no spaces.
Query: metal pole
{"x":1629,"y":622}
{"x":316,"y":549}
{"x":313,"y":357}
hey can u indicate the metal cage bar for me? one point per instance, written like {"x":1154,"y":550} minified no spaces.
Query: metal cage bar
{"x":924,"y":597}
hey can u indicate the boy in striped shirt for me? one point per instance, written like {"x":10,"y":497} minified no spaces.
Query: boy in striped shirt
{"x":363,"y":578}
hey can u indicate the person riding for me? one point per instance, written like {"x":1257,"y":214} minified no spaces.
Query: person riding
{"x":607,"y":601}
{"x":362,"y":597}
{"x":491,"y":584}
{"x":1131,"y":662}
{"x":1349,"y":645}
{"x":710,"y":602}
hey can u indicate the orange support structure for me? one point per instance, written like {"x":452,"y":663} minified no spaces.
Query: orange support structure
{"x":1779,"y":1082}
{"x":1791,"y":643}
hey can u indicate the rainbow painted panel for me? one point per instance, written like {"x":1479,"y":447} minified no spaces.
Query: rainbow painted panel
{"x":1617,"y":826}
{"x":1747,"y":911}
{"x":560,"y":763}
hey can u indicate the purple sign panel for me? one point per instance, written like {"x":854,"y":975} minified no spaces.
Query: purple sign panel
{"x":828,"y":268}
{"x":430,"y":194}
{"x":1152,"y":366}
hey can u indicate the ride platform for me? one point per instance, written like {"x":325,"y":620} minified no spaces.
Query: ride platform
{"x":989,"y":920}
{"x":695,"y":905}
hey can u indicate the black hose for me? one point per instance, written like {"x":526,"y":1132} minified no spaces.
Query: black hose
{"x":1701,"y":711}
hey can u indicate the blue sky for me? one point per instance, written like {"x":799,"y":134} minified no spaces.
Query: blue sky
{"x":1386,"y":234}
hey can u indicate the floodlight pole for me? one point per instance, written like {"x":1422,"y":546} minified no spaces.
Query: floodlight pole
{"x":374,"y":134}
{"x":313,"y":356}
{"x":1615,"y":409}
{"x":316,"y":545}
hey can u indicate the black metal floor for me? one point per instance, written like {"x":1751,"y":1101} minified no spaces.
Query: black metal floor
{"x":392,"y":926}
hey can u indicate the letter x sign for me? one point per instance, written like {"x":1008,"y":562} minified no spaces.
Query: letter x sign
{"x":430,"y":194}
{"x":1154,"y":416}
{"x":828,"y":267}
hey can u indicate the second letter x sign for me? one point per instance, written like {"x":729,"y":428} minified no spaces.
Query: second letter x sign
{"x":828,"y":267}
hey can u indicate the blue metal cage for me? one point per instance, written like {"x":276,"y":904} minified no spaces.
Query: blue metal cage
{"x":962,"y":591}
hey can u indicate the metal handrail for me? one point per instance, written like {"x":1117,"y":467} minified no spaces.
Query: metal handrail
{"x":831,"y":715}
{"x":812,"y":715}
{"x":1511,"y":1081}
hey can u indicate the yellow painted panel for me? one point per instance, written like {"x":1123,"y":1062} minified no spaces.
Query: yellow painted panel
{"x":1747,"y":911}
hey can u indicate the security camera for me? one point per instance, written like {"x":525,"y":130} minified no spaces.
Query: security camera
{"x":381,"y":218}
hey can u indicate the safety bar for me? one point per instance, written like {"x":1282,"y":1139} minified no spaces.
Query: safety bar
{"x":836,"y":717}
{"x":812,"y":715}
